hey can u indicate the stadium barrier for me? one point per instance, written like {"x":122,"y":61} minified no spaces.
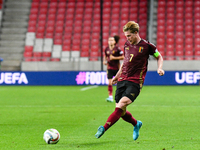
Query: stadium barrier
{"x":93,"y":78}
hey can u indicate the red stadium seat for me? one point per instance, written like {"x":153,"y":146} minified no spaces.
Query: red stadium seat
{"x":33,"y":17}
{"x":170,"y":16}
{"x":32,"y":23}
{"x":161,"y":22}
{"x":67,"y":36}
{"x":66,"y":42}
{"x":84,"y":54}
{"x":28,"y":54}
{"x":60,"y":17}
{"x":179,"y":22}
{"x":170,"y":3}
{"x":75,"y":48}
{"x":46,"y":54}
{"x":61,"y":10}
{"x":197,"y":28}
{"x":41,"y":23}
{"x":188,"y":16}
{"x":96,"y":23}
{"x":49,"y":29}
{"x":43,"y":4}
{"x":93,"y":56}
{"x":179,"y":34}
{"x":28,"y":48}
{"x":34,"y":5}
{"x":40,"y":29}
{"x":95,"y":42}
{"x":161,"y":28}
{"x":52,"y":5}
{"x":58,"y":36}
{"x":170,"y":22}
{"x":179,"y":41}
{"x":116,"y":4}
{"x":170,"y":28}
{"x":49,"y":35}
{"x":86,"y":41}
{"x":76,"y":42}
{"x":170,"y":34}
{"x":37,"y":54}
{"x":51,"y":17}
{"x":86,"y":36}
{"x":70,"y":11}
{"x":62,"y":5}
{"x":66,"y":47}
{"x":162,"y":34}
{"x":85,"y":48}
{"x":161,"y":48}
{"x":170,"y":47}
{"x":43,"y":11}
{"x":107,"y":4}
{"x":170,"y":41}
{"x":170,"y":53}
{"x":54,"y":59}
{"x":94,"y":48}
{"x":36,"y":59}
{"x":125,"y":10}
{"x":34,"y":10}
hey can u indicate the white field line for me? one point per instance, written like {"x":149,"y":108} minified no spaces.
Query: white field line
{"x":89,"y":87}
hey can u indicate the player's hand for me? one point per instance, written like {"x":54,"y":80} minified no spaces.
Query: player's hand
{"x":160,"y":72}
{"x":112,"y":57}
{"x":114,"y":80}
{"x":104,"y":62}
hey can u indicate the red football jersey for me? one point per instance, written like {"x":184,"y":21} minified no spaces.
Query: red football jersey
{"x":113,"y":64}
{"x":136,"y":60}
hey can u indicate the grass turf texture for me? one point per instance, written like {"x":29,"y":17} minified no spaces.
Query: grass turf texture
{"x":170,"y":116}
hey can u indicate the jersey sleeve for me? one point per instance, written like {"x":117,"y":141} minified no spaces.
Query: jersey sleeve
{"x":153,"y":50}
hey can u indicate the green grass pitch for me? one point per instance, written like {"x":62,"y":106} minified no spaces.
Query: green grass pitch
{"x":170,"y":116}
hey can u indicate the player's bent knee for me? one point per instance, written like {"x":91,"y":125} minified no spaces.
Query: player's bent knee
{"x":123,"y":103}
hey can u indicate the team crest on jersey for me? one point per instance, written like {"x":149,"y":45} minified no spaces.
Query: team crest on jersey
{"x":113,"y":52}
{"x":127,"y":48}
{"x":140,"y":49}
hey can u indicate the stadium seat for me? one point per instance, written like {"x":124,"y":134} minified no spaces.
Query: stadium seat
{"x":170,"y":47}
{"x":170,"y":41}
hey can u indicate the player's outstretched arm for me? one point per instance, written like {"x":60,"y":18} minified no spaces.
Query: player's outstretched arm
{"x":160,"y":71}
{"x":116,"y":57}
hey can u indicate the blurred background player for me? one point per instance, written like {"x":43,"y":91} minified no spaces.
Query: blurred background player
{"x":112,"y":57}
{"x":130,"y":77}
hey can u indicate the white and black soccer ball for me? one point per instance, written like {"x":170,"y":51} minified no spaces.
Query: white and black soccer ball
{"x":51,"y":136}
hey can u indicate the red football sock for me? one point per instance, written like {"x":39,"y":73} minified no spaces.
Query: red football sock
{"x":129,"y":118}
{"x":114,"y":117}
{"x":110,"y":90}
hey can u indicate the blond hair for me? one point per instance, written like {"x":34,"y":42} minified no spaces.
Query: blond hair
{"x":131,"y":26}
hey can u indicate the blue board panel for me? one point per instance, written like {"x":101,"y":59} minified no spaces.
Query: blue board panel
{"x":93,"y":78}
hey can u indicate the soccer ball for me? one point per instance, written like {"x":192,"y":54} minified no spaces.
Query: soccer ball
{"x":51,"y":136}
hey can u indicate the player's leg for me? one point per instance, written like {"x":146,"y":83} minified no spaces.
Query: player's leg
{"x":132,"y":92}
{"x":114,"y":117}
{"x":110,"y":91}
{"x":110,"y":88}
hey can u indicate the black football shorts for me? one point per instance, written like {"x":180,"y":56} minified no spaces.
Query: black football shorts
{"x":111,"y":73}
{"x":128,"y":89}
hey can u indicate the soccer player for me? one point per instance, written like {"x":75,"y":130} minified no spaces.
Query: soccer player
{"x":113,"y":55}
{"x":130,"y":77}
